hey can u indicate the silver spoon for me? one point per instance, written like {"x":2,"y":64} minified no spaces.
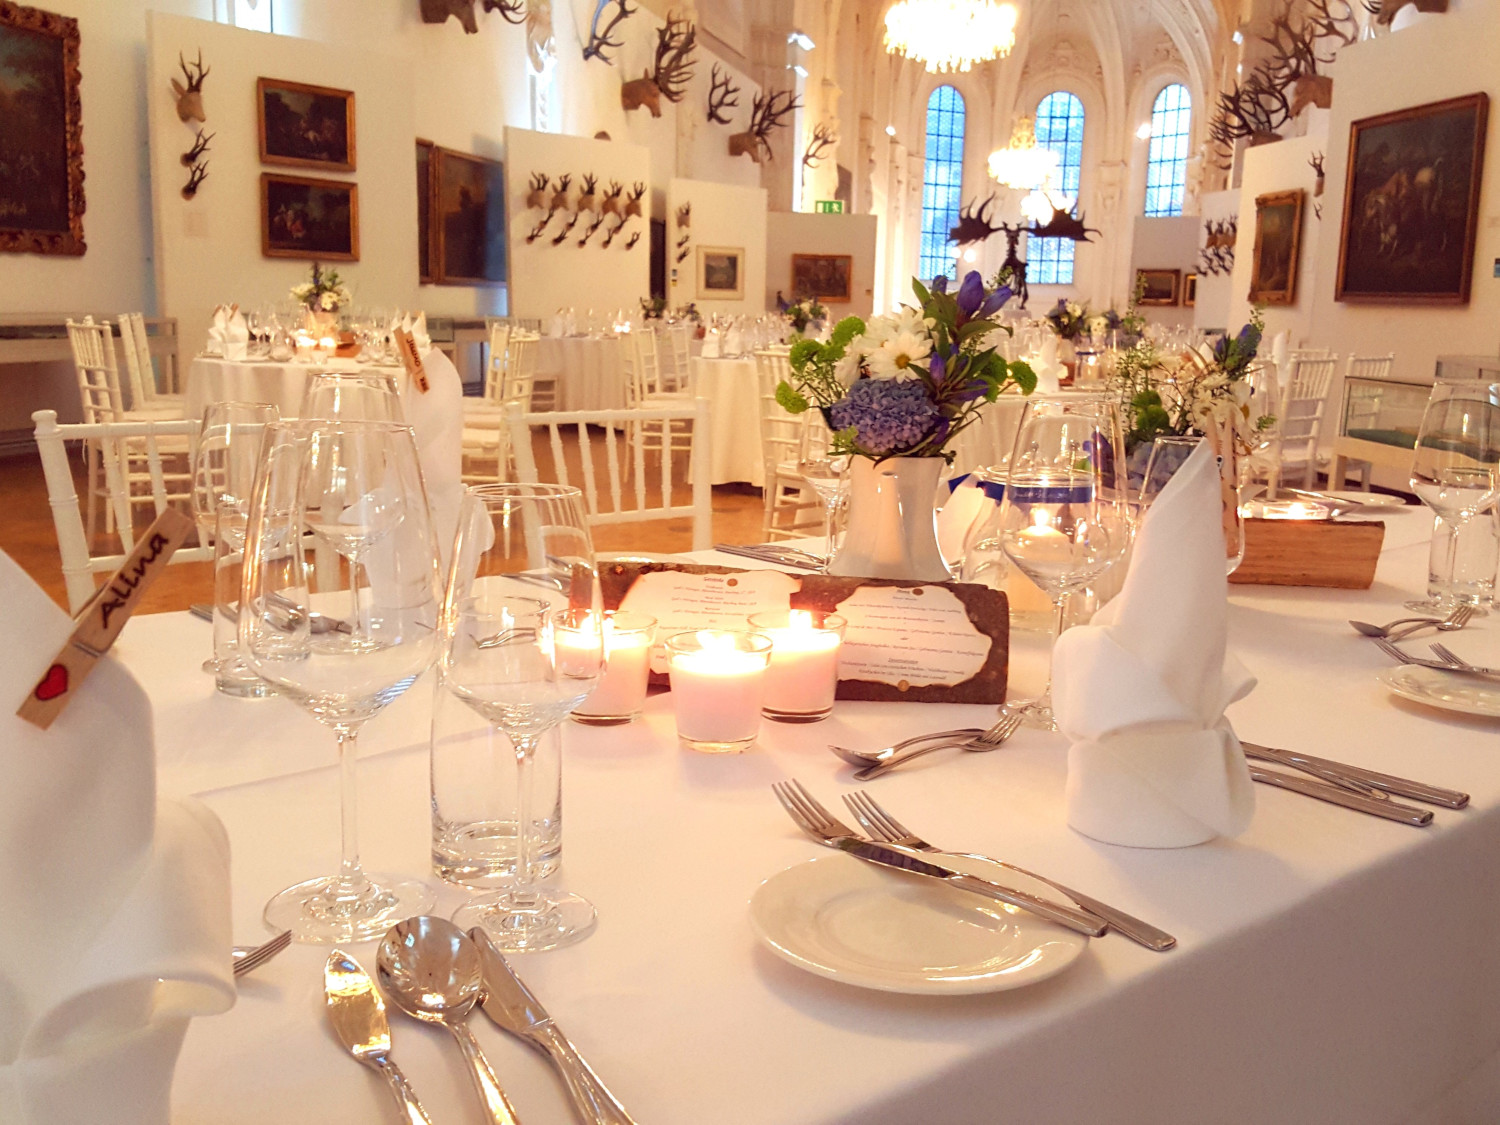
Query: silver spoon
{"x":1455,"y":620}
{"x":877,"y":757}
{"x":432,"y":971}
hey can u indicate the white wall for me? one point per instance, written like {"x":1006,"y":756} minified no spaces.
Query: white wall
{"x":724,"y":216}
{"x":797,"y":232}
{"x":1166,"y":244}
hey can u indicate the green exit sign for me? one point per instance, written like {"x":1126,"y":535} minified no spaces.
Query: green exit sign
{"x":830,"y":206}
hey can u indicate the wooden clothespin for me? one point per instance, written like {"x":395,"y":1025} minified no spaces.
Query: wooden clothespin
{"x":411,"y":359}
{"x":100,"y":621}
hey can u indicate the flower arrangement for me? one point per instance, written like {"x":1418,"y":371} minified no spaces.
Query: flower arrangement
{"x":1069,"y":319}
{"x":802,"y":313}
{"x":326,"y":292}
{"x":908,"y":383}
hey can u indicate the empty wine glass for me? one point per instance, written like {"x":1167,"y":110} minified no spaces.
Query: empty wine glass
{"x":1065,"y":518}
{"x":339,"y":611}
{"x":1455,"y":471}
{"x":828,"y":477}
{"x":524,"y":655}
{"x":365,"y":395}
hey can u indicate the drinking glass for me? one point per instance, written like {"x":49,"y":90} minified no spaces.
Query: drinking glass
{"x":224,"y":467}
{"x":356,"y":396}
{"x":828,"y":477}
{"x":524,"y":654}
{"x":1456,"y":468}
{"x":1065,"y":518}
{"x":339,"y":611}
{"x":1168,"y":454}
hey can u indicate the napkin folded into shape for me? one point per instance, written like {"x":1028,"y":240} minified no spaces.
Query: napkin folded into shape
{"x":1141,"y":691}
{"x":228,"y":334}
{"x":417,"y":327}
{"x":117,"y":904}
{"x":1049,"y":369}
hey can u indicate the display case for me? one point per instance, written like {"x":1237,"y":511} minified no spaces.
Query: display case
{"x":1378,"y":425}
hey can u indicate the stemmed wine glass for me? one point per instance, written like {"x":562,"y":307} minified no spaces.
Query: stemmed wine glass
{"x":828,"y":477}
{"x":1455,"y":472}
{"x":523,"y":657}
{"x":339,"y":611}
{"x":1065,"y":518}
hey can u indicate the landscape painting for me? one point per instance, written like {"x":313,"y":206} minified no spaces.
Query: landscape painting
{"x":41,"y":131}
{"x":721,"y":273}
{"x":1158,"y":287}
{"x":828,"y":276}
{"x":467,"y":219}
{"x":1411,"y":204}
{"x":305,"y":126}
{"x":306,"y":218}
{"x":1278,"y":236}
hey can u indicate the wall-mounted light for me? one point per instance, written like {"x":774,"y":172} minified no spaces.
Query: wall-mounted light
{"x":798,"y":69}
{"x":801,"y":39}
{"x":1238,"y":36}
{"x":890,"y":130}
{"x":1144,"y":131}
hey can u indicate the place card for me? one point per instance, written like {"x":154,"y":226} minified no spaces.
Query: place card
{"x":931,"y":642}
{"x":100,"y":620}
{"x":411,"y":359}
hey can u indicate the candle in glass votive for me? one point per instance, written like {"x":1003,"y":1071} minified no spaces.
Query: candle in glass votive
{"x":627,"y":650}
{"x":804,"y":672}
{"x":1286,"y":510}
{"x":717,"y":677}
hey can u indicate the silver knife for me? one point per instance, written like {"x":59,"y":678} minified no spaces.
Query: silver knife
{"x":775,"y":558}
{"x":904,"y":859}
{"x":1390,"y":783}
{"x":1322,"y":791}
{"x":205,"y":612}
{"x":513,"y":1008}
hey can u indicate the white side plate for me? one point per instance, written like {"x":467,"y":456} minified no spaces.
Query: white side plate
{"x":1466,"y":694}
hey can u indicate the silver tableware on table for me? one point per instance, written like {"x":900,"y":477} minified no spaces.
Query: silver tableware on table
{"x":991,"y":739}
{"x":1334,"y":795}
{"x":358,"y":1016}
{"x":515,"y":1009}
{"x":883,"y":826}
{"x":1328,"y":770}
{"x":249,"y":957}
{"x":876,"y":757}
{"x":1402,"y":657}
{"x":202,"y":612}
{"x":1455,"y":620}
{"x":432,"y":971}
{"x":827,"y":830}
{"x":777,"y":556}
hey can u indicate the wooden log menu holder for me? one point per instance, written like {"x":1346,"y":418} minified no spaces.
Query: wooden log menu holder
{"x":1340,"y":555}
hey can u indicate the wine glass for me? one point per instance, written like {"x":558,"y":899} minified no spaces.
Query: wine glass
{"x":224,"y":466}
{"x":339,"y":611}
{"x":1455,"y":472}
{"x":1065,"y":518}
{"x":364,"y":395}
{"x":828,"y":477}
{"x":523,"y":657}
{"x":1170,"y":453}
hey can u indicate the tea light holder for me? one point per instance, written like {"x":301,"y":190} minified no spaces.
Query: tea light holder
{"x":804,"y":669}
{"x":1286,"y":510}
{"x":621,"y":693}
{"x":718,"y":678}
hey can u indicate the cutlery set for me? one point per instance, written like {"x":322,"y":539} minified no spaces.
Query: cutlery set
{"x":437,"y":974}
{"x":775,"y":554}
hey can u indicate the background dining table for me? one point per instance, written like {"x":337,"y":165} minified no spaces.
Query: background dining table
{"x":212,"y":379}
{"x":1331,"y":967}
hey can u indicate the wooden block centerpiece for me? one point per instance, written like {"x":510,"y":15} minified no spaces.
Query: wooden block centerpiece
{"x":1339,"y":554}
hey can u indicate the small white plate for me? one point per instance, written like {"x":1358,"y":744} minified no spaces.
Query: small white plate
{"x":1370,"y":499}
{"x":1466,"y":694}
{"x":846,"y":920}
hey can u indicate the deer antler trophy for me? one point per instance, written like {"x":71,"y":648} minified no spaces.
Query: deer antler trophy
{"x":766,"y":113}
{"x":195,"y":178}
{"x":722,"y":94}
{"x":600,"y":41}
{"x":670,"y":72}
{"x":200,"y":146}
{"x":823,"y":138}
{"x":512,"y":11}
{"x":190,"y":99}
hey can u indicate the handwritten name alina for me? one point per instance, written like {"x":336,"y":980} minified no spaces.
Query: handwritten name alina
{"x":131,"y":579}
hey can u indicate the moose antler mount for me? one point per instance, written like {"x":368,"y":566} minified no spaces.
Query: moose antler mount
{"x":671,"y":68}
{"x":974,"y":223}
{"x":767,"y":112}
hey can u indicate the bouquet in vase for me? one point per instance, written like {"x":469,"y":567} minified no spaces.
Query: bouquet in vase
{"x":1069,"y":319}
{"x":802,"y":313}
{"x":325,"y":293}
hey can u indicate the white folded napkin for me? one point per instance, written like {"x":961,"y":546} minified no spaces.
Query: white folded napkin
{"x":218,"y":331}
{"x":1279,"y":352}
{"x":1141,"y":691}
{"x":124,"y":898}
{"x":734,"y":342}
{"x":418,"y":329}
{"x":236,"y":335}
{"x":557,"y":326}
{"x":711,"y":344}
{"x":970,"y":500}
{"x":437,"y":419}
{"x":1049,"y":369}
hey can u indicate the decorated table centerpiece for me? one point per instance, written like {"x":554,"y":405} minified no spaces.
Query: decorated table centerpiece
{"x":896,"y":392}
{"x":809,"y":310}
{"x":323,"y":297}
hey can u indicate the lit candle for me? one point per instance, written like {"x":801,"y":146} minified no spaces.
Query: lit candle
{"x":1286,"y":510}
{"x":627,"y":648}
{"x":718,"y":678}
{"x":804,"y":671}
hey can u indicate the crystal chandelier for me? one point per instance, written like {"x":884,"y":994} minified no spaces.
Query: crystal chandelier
{"x":947,"y":35}
{"x":1024,"y":164}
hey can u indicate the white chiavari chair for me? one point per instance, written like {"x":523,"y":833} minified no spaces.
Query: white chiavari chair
{"x":146,"y":396}
{"x":787,"y":439}
{"x":510,"y":379}
{"x":1303,"y":407}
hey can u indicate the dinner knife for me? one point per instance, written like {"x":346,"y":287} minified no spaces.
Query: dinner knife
{"x":904,"y":859}
{"x":514,"y":1008}
{"x":358,"y":1016}
{"x":775,"y":558}
{"x":1322,"y":791}
{"x":1390,"y":783}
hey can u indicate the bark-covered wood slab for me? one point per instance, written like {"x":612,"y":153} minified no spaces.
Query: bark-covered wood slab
{"x":1337,"y":554}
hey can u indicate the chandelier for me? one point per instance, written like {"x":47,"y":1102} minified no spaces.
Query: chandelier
{"x":947,"y":35}
{"x":1024,"y":164}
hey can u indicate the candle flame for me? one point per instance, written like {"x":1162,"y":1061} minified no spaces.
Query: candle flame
{"x":799,"y":619}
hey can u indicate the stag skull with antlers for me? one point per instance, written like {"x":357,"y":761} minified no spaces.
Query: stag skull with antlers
{"x":190,"y":98}
{"x":671,"y":69}
{"x":766,"y":113}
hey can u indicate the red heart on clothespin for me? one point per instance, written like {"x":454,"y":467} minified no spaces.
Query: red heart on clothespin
{"x":53,"y":684}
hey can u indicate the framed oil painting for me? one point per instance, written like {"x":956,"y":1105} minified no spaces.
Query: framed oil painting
{"x":721,"y":273}
{"x":301,"y":217}
{"x":41,"y":133}
{"x":467,"y":219}
{"x":1158,"y":287}
{"x":826,"y":276}
{"x":424,"y":211}
{"x":1278,"y":239}
{"x":1189,"y":290}
{"x":304,"y":126}
{"x":1411,"y":204}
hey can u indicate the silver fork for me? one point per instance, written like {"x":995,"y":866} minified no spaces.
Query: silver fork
{"x":1009,"y":723}
{"x":1455,"y":620}
{"x":826,"y":829}
{"x":248,"y":957}
{"x":1441,"y":665}
{"x":883,"y":826}
{"x":875,"y":757}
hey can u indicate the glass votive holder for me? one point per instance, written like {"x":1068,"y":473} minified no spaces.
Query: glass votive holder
{"x":804,"y":669}
{"x":717,"y":677}
{"x":621,"y":693}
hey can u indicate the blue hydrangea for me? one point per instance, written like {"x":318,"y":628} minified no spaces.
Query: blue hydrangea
{"x":891,"y":417}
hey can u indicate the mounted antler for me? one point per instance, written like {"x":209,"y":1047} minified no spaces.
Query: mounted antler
{"x":586,"y":201}
{"x":512,"y":11}
{"x":190,"y":99}
{"x":670,"y":71}
{"x":600,"y":41}
{"x":562,"y":235}
{"x":195,"y":178}
{"x":823,"y":138}
{"x":536,"y":231}
{"x":1385,"y":10}
{"x":560,"y":197}
{"x":685,"y":215}
{"x":593,"y":227}
{"x":633,"y":207}
{"x":200,"y":146}
{"x":611,"y":204}
{"x":766,"y":113}
{"x":1315,"y":162}
{"x":1063,"y":224}
{"x":722,"y":95}
{"x":1295,"y":57}
{"x":1255,"y":108}
{"x":634,"y":238}
{"x":536,"y":198}
{"x":974,"y":225}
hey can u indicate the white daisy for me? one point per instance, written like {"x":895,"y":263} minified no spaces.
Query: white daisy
{"x":894,"y":358}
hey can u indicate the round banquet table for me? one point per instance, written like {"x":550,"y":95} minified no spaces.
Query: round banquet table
{"x":588,"y":370}
{"x":211,"y":380}
{"x":1332,"y":967}
{"x":732,"y":387}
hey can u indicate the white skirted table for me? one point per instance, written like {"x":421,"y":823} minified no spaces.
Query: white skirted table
{"x":1332,"y":967}
{"x":732,"y":387}
{"x":588,"y":369}
{"x":211,"y":380}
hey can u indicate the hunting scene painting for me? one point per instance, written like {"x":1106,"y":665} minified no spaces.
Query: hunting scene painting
{"x":305,"y":126}
{"x":307,"y":218}
{"x":467,"y":219}
{"x":1411,"y":204}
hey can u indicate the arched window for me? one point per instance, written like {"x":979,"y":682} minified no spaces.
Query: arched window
{"x":1059,"y":126}
{"x":1166,"y":159}
{"x":942,"y":181}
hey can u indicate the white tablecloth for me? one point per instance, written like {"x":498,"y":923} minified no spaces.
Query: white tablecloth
{"x":220,"y":380}
{"x":588,"y":370}
{"x":1332,"y":968}
{"x":732,"y":388}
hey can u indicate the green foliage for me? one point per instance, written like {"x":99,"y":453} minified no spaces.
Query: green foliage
{"x":789,"y":399}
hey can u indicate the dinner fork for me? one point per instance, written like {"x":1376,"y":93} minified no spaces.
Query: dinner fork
{"x":1455,"y":620}
{"x":1442,"y":666}
{"x":1009,"y":723}
{"x":816,"y":821}
{"x":881,"y":825}
{"x":248,"y":957}
{"x":875,"y":757}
